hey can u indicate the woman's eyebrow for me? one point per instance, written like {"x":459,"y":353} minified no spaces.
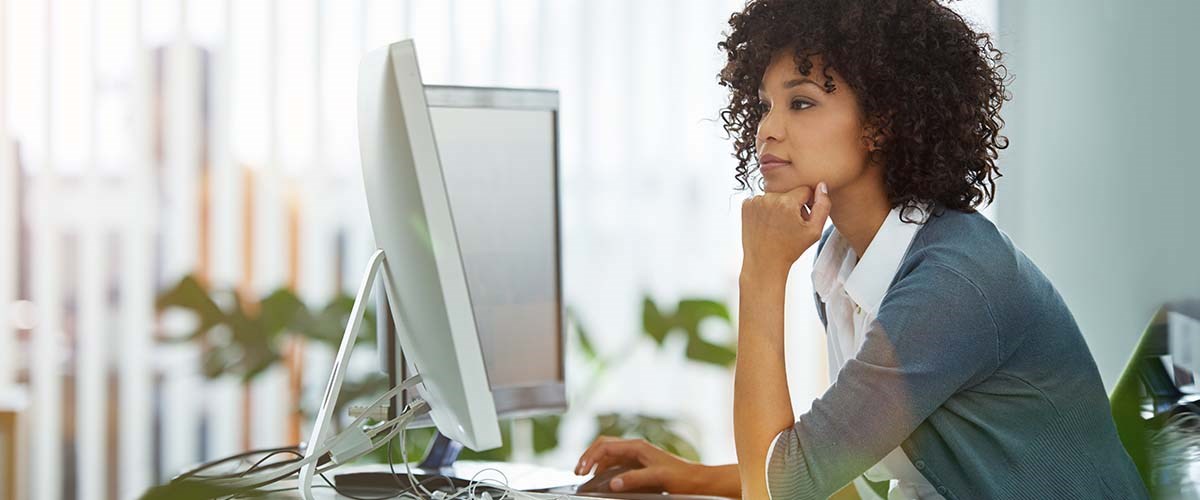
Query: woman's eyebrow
{"x":798,"y":82}
{"x":795,"y":82}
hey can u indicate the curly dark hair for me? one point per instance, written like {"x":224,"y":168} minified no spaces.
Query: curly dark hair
{"x":928,"y":84}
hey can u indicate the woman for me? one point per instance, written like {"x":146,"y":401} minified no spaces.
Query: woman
{"x":958,"y":370}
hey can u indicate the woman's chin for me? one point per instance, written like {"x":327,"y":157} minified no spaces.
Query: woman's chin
{"x":780,"y":185}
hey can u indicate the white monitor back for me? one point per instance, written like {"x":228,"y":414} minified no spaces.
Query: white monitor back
{"x":424,"y":277}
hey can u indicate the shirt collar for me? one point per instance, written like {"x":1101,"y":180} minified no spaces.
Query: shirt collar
{"x":867,"y":281}
{"x":827,"y":268}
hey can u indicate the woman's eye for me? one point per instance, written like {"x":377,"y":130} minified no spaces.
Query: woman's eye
{"x":763,"y":108}
{"x":800,"y":104}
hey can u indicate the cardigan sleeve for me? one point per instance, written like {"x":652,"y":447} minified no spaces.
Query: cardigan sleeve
{"x":934,"y":335}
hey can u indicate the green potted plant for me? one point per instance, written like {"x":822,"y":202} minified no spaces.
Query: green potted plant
{"x":245,"y":341}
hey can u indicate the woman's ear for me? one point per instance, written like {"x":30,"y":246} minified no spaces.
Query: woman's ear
{"x":872,"y":139}
{"x":875,"y":134}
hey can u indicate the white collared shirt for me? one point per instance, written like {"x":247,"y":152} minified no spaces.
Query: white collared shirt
{"x":852,"y":290}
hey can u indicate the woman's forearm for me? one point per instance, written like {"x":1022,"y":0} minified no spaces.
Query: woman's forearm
{"x":762,"y":405}
{"x":721,"y":481}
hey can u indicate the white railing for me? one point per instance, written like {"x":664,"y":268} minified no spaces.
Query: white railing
{"x":160,"y":385}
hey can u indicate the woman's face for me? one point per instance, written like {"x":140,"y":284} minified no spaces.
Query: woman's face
{"x":809,"y":135}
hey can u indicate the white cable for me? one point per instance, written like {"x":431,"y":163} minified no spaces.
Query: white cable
{"x":322,"y":449}
{"x":280,"y":474}
{"x":401,"y":422}
{"x":469,"y":490}
{"x":292,"y":469}
{"x":390,"y":429}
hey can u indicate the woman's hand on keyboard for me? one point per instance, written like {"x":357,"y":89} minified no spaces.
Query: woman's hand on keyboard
{"x":651,"y":468}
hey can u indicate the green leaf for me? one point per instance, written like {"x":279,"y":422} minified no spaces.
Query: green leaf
{"x":329,"y":324}
{"x":545,"y":433}
{"x":704,"y":351}
{"x":252,"y":347}
{"x":654,"y":322}
{"x":501,"y":454}
{"x":280,"y":310}
{"x":254,"y":362}
{"x":655,"y":430}
{"x":585,"y":343}
{"x":251,"y":350}
{"x":214,"y":363}
{"x":612,"y":424}
{"x":674,"y":444}
{"x":415,"y":442}
{"x":692,"y":311}
{"x":189,"y":294}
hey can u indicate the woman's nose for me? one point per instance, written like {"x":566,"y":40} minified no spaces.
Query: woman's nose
{"x":768,"y":129}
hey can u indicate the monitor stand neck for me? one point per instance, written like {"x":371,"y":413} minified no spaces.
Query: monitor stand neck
{"x":442,"y":451}
{"x":441,"y":454}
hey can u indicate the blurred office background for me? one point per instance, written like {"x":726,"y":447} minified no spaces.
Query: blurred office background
{"x":142,"y":141}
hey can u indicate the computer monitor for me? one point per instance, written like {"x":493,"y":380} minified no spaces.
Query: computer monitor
{"x":461,"y":187}
{"x":498,"y":150}
{"x":424,"y":276}
{"x":498,"y":155}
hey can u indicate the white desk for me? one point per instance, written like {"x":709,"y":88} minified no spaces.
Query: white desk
{"x":520,"y":477}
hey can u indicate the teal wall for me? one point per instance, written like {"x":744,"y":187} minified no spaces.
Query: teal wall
{"x":1102,"y":182}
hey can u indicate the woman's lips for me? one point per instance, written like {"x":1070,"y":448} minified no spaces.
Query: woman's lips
{"x":768,"y":162}
{"x":772,"y":165}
